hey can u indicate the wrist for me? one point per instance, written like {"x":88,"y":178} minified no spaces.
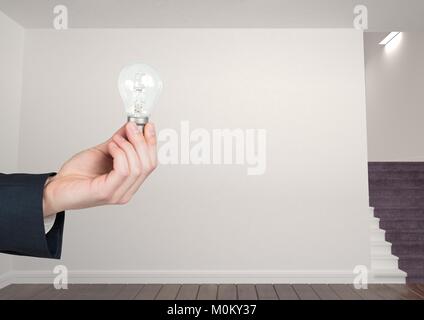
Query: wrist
{"x":48,"y":203}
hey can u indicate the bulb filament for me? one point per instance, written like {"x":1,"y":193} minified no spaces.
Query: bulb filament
{"x":139,"y":94}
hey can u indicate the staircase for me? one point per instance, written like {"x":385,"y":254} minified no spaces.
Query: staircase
{"x":397,"y":195}
{"x":384,"y":265}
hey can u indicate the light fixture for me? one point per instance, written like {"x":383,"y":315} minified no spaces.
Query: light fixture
{"x":139,"y":86}
{"x":389,"y":38}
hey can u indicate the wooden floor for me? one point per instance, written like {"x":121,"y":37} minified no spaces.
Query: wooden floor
{"x":212,"y":292}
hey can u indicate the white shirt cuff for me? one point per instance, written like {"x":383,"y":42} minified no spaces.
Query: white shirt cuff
{"x":49,"y":222}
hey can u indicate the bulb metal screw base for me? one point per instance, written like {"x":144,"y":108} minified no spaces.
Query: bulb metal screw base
{"x":139,"y":121}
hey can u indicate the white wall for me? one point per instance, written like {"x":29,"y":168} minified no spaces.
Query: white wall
{"x":395,"y":97}
{"x":11,"y":58}
{"x":306,"y":217}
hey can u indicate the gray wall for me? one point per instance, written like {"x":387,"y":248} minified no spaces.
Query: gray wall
{"x":395,"y":98}
{"x":11,"y":58}
{"x":307,"y":216}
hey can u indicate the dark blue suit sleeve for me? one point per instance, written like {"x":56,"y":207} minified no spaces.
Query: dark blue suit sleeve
{"x":21,"y":218}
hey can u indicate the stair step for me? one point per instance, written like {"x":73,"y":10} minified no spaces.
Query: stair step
{"x":399,"y":192}
{"x":402,"y":251}
{"x":399,"y":213}
{"x":381,"y":248}
{"x":396,"y":175}
{"x":375,"y":223}
{"x":415,"y":272}
{"x":404,"y":235}
{"x":397,"y":201}
{"x":396,"y":191}
{"x":378,"y":235}
{"x":388,"y":276}
{"x":414,"y":256}
{"x":401,"y":248}
{"x":402,"y":225}
{"x":410,"y":193}
{"x":387,"y":183}
{"x":395,"y":166}
{"x":384,"y":262}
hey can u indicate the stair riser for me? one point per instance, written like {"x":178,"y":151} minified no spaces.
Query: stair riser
{"x":390,"y":202}
{"x":399,"y":216}
{"x":380,"y":280}
{"x":416,"y":273}
{"x":396,"y":175}
{"x":400,"y":250}
{"x":396,"y":183}
{"x":375,"y":224}
{"x":380,"y":250}
{"x":385,"y":264}
{"x":393,"y":237}
{"x":377,"y":236}
{"x":402,"y":225}
{"x":410,"y":263}
{"x":397,"y":193}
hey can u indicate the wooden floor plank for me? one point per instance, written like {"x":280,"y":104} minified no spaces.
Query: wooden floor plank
{"x":324,"y":292}
{"x":3,"y":291}
{"x":305,"y":292}
{"x":72,"y":293}
{"x":27,"y":292}
{"x":266,"y":292}
{"x":385,"y":292}
{"x":90,"y":292}
{"x":78,"y":292}
{"x":129,"y":292}
{"x":345,"y":292}
{"x":188,"y":292}
{"x":113,"y":291}
{"x":148,"y":292}
{"x":213,"y":291}
{"x":7,"y":292}
{"x":51,"y":293}
{"x":421,"y":287}
{"x":227,"y":292}
{"x":286,"y":292}
{"x":417,"y":289}
{"x":404,"y":291}
{"x":22,"y":291}
{"x":207,"y":292}
{"x":168,"y":292}
{"x":246,"y":292}
{"x":367,"y":294}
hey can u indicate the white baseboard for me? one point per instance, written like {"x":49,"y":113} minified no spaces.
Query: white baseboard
{"x":6,"y":279}
{"x":335,"y":276}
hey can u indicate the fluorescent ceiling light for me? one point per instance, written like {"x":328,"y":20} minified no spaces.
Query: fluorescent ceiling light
{"x":389,"y":38}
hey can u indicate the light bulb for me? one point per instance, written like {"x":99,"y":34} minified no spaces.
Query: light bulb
{"x":139,"y":86}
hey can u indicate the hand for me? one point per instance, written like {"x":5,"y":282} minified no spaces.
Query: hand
{"x":109,"y":173}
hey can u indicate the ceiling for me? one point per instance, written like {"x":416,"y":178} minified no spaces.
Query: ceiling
{"x":384,"y":15}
